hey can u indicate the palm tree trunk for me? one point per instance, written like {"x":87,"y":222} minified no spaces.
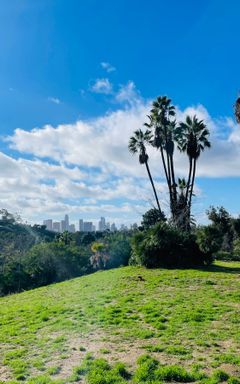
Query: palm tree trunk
{"x":193,"y":179}
{"x":164,"y":165}
{"x":173,"y":179}
{"x":167,"y":175}
{"x":189,"y":180}
{"x":153,"y":187}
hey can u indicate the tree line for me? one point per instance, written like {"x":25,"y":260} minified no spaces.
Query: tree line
{"x":32,"y":256}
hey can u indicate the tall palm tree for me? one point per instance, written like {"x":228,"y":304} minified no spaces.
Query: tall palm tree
{"x":192,"y":137}
{"x":137,"y":145}
{"x":161,"y":121}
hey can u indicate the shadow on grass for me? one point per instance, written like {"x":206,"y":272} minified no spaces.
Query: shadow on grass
{"x":220,"y":268}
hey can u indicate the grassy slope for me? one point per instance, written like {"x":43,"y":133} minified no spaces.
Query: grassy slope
{"x":184,"y":317}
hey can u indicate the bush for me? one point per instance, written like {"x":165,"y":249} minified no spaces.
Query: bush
{"x":227,"y":256}
{"x":152,"y":217}
{"x":223,"y":255}
{"x":46,"y":263}
{"x":167,"y":246}
{"x":236,"y":250}
{"x":209,"y":239}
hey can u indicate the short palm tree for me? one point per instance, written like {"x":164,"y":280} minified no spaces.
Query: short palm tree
{"x":192,"y":137}
{"x":137,"y":144}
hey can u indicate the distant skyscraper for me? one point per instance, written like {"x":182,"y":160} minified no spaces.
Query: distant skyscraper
{"x":49,"y":224}
{"x":66,"y":219}
{"x":102,"y":224}
{"x":123,"y":227}
{"x":71,"y":228}
{"x":87,"y":226}
{"x":63,"y":225}
{"x":56,"y":226}
{"x":81,"y":225}
{"x":113,"y":227}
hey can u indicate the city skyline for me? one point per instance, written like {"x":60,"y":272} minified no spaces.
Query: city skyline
{"x":83,"y":226}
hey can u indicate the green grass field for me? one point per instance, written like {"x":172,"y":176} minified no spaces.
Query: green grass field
{"x":125,"y":325}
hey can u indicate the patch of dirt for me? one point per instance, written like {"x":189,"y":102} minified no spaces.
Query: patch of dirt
{"x":231,"y":369}
{"x":115,"y":350}
{"x":4,"y":374}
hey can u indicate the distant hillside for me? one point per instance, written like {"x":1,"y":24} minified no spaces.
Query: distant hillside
{"x":163,"y":325}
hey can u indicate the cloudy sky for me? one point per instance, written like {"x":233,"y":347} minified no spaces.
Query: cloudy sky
{"x":78,"y":77}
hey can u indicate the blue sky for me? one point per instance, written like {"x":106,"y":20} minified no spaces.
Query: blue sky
{"x":100,"y":63}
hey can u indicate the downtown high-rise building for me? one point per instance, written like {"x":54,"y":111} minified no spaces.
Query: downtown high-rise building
{"x":63,"y":225}
{"x":113,"y":227}
{"x":87,"y":226}
{"x":81,"y":225}
{"x":49,"y":224}
{"x":66,"y":219}
{"x":71,"y":228}
{"x":56,"y":227}
{"x":102,"y":224}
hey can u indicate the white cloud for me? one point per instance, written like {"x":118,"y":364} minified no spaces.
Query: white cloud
{"x":107,"y":66}
{"x":102,"y":86}
{"x":94,"y":174}
{"x":54,"y":100}
{"x":37,"y":189}
{"x":102,"y":143}
{"x":128,"y":93}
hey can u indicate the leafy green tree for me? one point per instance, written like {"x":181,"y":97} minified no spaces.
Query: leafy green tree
{"x":151,"y":217}
{"x":208,"y":239}
{"x":46,"y":263}
{"x":222,"y":221}
{"x":236,"y":249}
{"x":119,"y":249}
{"x":137,"y":144}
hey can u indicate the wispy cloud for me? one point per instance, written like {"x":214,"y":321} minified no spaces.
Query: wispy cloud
{"x":128,"y":93}
{"x":54,"y":100}
{"x":102,"y":86}
{"x":107,"y":66}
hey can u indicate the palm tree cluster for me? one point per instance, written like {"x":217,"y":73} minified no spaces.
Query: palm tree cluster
{"x":165,"y":134}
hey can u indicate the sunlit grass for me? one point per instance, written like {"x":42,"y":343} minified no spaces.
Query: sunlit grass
{"x":181,"y":318}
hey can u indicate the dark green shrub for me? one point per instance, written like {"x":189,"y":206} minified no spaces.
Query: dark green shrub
{"x":236,"y":250}
{"x":223,"y":255}
{"x":46,"y":263}
{"x":119,"y":249}
{"x":166,"y":246}
{"x":209,"y":239}
{"x":152,"y":217}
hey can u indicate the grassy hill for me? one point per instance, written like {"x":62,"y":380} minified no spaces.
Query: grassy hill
{"x":163,"y":325}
